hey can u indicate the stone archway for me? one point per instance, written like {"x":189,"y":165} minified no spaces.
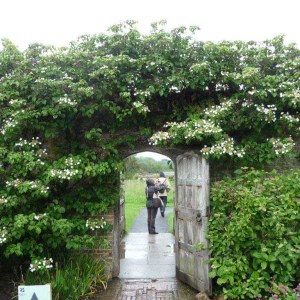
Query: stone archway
{"x":191,"y":210}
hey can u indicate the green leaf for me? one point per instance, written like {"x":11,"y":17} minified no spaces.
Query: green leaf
{"x":221,"y":281}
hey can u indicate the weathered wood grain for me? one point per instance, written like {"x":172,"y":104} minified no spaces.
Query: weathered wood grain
{"x":191,"y":219}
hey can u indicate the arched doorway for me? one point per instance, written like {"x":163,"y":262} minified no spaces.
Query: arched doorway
{"x":191,"y":212}
{"x":144,"y":255}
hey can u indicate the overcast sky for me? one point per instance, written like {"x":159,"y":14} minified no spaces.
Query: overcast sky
{"x":58,"y":22}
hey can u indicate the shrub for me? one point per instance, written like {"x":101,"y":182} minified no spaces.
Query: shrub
{"x":254,"y":232}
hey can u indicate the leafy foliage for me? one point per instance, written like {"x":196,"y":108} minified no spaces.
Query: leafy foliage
{"x":66,"y":114}
{"x":77,"y":277}
{"x":254,"y":232}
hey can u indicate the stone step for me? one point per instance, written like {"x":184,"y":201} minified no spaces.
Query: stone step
{"x":148,"y":290}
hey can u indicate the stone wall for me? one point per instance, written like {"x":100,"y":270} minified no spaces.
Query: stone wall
{"x":219,"y":169}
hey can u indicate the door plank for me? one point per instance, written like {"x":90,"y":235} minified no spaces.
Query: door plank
{"x":191,"y":219}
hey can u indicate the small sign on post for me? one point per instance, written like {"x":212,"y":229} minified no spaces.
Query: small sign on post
{"x":34,"y":292}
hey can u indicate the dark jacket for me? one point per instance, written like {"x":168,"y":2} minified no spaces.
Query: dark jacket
{"x":150,"y":190}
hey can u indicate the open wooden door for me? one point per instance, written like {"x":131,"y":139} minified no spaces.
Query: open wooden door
{"x":191,"y":219}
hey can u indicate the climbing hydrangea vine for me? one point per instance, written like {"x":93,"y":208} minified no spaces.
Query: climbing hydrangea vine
{"x":66,"y":114}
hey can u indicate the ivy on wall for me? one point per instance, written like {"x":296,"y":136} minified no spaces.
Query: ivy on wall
{"x":66,"y":112}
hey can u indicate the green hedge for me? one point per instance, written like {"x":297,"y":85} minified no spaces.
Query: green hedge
{"x":254,"y":234}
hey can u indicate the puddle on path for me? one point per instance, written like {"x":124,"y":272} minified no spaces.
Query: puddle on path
{"x":147,"y":256}
{"x":147,"y":270}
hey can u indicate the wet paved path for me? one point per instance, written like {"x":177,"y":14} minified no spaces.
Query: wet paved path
{"x":147,"y":256}
{"x":161,"y":224}
{"x":148,"y":265}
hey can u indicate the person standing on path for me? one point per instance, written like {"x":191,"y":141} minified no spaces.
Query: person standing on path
{"x":152,"y":211}
{"x":163,"y":194}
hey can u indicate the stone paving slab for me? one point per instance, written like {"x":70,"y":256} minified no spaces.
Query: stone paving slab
{"x":133,"y":240}
{"x":147,"y":265}
{"x":150,"y":270}
{"x":148,"y":289}
{"x":147,"y":256}
{"x":161,"y":223}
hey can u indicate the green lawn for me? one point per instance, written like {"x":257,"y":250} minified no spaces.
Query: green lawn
{"x":135,"y":199}
{"x":171,"y":222}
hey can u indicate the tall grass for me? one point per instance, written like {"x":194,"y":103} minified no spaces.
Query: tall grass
{"x":135,"y":199}
{"x":74,"y":279}
{"x":171,"y":222}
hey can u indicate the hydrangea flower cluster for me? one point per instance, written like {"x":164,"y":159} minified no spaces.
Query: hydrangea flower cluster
{"x":3,"y":233}
{"x":41,"y":264}
{"x":45,"y":80}
{"x":39,"y":217}
{"x":69,"y":170}
{"x":34,"y":148}
{"x":144,"y":94}
{"x":28,"y":184}
{"x":155,"y":67}
{"x":140,"y":106}
{"x":159,"y":137}
{"x":291,"y":95}
{"x":282,"y":146}
{"x":289,"y":118}
{"x":33,"y":143}
{"x":7,"y":124}
{"x":174,"y":89}
{"x":197,"y":128}
{"x":15,"y":183}
{"x":222,"y":87}
{"x":66,"y":100}
{"x":189,"y":129}
{"x":199,"y":67}
{"x":94,"y":224}
{"x":3,"y":200}
{"x":217,"y":110}
{"x":252,"y":92}
{"x":246,"y":103}
{"x":44,"y":189}
{"x":15,"y":102}
{"x":268,"y":111}
{"x":7,"y":76}
{"x":223,"y":147}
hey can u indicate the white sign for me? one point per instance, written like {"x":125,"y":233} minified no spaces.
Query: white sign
{"x":34,"y":292}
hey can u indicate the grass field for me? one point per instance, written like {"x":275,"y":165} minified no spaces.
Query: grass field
{"x":171,"y":222}
{"x":135,"y":200}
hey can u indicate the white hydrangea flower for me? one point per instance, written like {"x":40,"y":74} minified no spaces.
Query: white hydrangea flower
{"x":7,"y":124}
{"x":66,"y":100}
{"x":3,"y":235}
{"x":69,"y":170}
{"x":282,"y":146}
{"x":94,"y":224}
{"x":41,"y":264}
{"x":225,"y":146}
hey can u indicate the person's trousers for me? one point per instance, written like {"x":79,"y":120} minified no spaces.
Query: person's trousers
{"x":152,"y":212}
{"x":164,"y":200}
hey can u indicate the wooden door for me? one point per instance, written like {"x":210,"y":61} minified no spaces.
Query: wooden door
{"x":191,"y":219}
